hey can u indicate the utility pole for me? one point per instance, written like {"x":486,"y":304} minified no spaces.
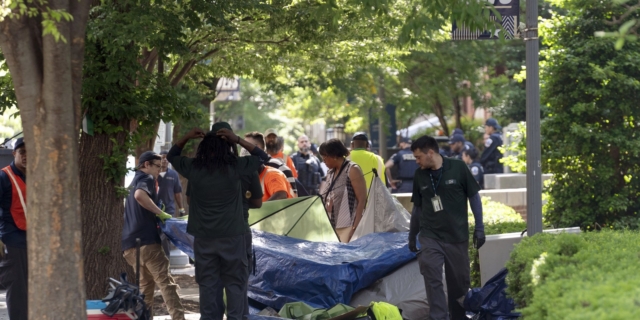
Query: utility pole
{"x":534,"y":162}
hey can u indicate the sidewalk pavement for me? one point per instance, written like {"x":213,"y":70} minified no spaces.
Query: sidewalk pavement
{"x":192,"y":294}
{"x":187,"y":293}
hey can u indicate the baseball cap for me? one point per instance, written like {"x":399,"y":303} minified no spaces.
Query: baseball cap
{"x":491,"y":122}
{"x":270,"y":131}
{"x":148,"y":156}
{"x":406,"y":140}
{"x":456,"y":138}
{"x":361,"y":135}
{"x":457,"y":131}
{"x":220,"y":125}
{"x":19,"y":143}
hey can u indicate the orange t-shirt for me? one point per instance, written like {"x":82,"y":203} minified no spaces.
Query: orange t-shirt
{"x":289,"y":163}
{"x":272,"y":181}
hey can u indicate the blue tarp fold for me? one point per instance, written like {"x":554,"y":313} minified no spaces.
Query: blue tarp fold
{"x":491,"y":302}
{"x":319,"y":274}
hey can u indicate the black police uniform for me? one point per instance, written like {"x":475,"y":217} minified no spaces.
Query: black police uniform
{"x":478,"y":173}
{"x":406,"y":163}
{"x":310,"y":172}
{"x":467,"y":146}
{"x":491,"y":156}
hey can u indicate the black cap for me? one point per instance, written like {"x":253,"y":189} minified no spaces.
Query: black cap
{"x":19,"y":143}
{"x":360,"y":136}
{"x":148,"y":156}
{"x":406,"y":140}
{"x":314,"y":148}
{"x":163,"y":152}
{"x":457,"y":131}
{"x":491,"y":122}
{"x":456,"y":138}
{"x":220,"y":125}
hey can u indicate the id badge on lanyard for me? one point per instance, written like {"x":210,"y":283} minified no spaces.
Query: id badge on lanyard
{"x":436,"y":201}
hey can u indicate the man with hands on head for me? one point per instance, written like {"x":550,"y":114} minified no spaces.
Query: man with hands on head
{"x":216,"y":218}
{"x":441,"y":187}
{"x":140,"y":213}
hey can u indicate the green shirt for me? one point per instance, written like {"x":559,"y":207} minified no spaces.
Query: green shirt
{"x":455,"y":185}
{"x":215,"y":199}
{"x":367,"y":161}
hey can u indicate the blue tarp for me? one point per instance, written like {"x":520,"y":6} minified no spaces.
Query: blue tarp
{"x":491,"y":302}
{"x":176,"y":231}
{"x":319,"y":274}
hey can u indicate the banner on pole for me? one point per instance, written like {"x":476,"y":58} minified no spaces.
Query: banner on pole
{"x":509,"y":11}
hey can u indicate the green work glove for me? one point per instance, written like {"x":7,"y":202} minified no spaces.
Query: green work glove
{"x":164,"y":216}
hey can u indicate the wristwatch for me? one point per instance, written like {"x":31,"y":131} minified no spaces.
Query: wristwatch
{"x":181,"y":210}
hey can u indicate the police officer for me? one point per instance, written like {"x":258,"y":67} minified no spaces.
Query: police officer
{"x":406,"y":164}
{"x":310,"y":172}
{"x":470,"y":157}
{"x":459,"y":144}
{"x":13,"y":229}
{"x":491,"y":156}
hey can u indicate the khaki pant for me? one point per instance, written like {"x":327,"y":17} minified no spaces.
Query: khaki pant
{"x":154,"y":269}
{"x":343,"y":234}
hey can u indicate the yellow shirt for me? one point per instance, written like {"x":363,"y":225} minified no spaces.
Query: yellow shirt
{"x":368,"y":161}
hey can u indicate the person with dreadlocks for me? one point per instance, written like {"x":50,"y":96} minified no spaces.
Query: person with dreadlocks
{"x":216,"y":217}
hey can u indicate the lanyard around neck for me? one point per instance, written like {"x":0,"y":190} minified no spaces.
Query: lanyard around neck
{"x":435,"y":185}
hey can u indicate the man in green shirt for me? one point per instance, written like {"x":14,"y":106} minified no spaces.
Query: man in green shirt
{"x":367,"y":160}
{"x":441,"y":187}
{"x":216,"y":217}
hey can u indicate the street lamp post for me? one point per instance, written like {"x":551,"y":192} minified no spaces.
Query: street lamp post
{"x":534,"y":163}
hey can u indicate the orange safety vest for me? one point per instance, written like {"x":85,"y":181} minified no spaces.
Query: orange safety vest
{"x":18,"y":199}
{"x":270,"y":169}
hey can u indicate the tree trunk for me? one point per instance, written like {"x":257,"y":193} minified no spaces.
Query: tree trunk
{"x":188,"y":152}
{"x":439,"y":111}
{"x":47,"y":77}
{"x":457,"y":112}
{"x":382,"y":131}
{"x":148,"y":142}
{"x":102,"y":214}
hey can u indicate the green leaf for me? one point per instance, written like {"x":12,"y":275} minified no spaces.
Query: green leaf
{"x":619,"y":43}
{"x":626,"y":26}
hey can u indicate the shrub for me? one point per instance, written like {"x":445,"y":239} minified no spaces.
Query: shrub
{"x":588,"y":276}
{"x":590,"y":139}
{"x":498,"y":218}
{"x":520,"y":263}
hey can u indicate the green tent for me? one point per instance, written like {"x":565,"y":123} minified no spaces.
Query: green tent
{"x":302,"y":218}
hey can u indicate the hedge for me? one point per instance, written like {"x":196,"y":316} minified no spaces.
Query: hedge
{"x":498,"y":218}
{"x":593,"y":275}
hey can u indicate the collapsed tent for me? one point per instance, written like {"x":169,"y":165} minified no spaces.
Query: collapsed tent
{"x":321,"y":274}
{"x":403,"y":288}
{"x":301,"y":218}
{"x":383,"y":213}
